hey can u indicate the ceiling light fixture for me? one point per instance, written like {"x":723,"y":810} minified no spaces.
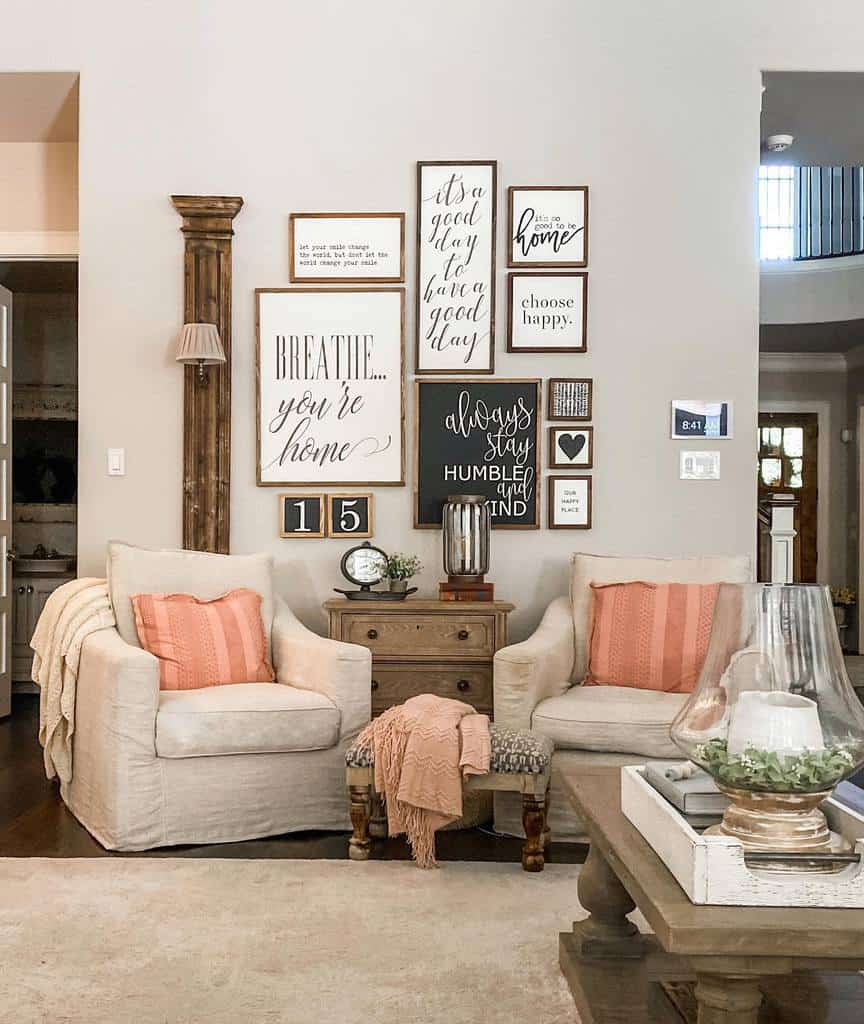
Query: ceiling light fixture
{"x":779,"y":143}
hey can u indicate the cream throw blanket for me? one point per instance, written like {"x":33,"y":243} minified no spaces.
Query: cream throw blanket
{"x":71,"y":614}
{"x":423,"y":749}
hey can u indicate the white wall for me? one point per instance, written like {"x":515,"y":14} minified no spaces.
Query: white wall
{"x":38,"y":197}
{"x":327,"y":105}
{"x":813,"y":292}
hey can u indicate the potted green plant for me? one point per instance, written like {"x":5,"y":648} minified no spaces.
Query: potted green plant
{"x":400,"y":569}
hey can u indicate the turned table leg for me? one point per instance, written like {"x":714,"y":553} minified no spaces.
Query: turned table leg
{"x":361,"y":811}
{"x":727,"y":1000}
{"x":534,"y":823}
{"x":607,"y":932}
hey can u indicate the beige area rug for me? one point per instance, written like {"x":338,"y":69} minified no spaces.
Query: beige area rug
{"x":110,"y":941}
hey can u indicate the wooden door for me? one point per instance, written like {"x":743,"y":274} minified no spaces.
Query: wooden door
{"x":6,"y":554}
{"x":788,"y":464}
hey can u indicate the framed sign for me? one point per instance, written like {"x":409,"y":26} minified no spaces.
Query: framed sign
{"x":547,"y":312}
{"x":478,"y":437}
{"x":349,"y":515}
{"x":330,"y":394}
{"x":456,"y":266}
{"x":693,"y":418}
{"x":547,"y":226}
{"x":302,"y":515}
{"x":571,"y":447}
{"x":569,"y":502}
{"x":570,"y":398}
{"x":326,"y":248}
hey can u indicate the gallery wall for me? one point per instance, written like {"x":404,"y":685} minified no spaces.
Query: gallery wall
{"x":328,"y":106}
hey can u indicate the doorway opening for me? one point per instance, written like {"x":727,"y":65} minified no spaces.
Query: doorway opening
{"x":811,"y":337}
{"x":38,"y":357}
{"x":43,"y":298}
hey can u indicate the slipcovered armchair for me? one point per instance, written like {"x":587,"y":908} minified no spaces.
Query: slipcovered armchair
{"x":537,"y":684}
{"x":221,"y":764}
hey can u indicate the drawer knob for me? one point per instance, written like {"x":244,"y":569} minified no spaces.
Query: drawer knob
{"x":374,"y":684}
{"x":463,"y":634}
{"x":372,"y":634}
{"x":463,"y":685}
{"x":20,"y":590}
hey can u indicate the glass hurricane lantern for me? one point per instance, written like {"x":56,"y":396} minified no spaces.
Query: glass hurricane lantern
{"x":773,"y":717}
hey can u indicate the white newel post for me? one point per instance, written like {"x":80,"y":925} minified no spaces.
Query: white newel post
{"x":783,"y":544}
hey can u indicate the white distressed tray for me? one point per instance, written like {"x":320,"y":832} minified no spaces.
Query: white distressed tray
{"x":711,"y":869}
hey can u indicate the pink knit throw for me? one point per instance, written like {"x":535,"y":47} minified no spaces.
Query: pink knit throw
{"x":422,"y":750}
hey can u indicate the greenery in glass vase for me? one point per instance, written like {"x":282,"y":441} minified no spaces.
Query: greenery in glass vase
{"x":403,"y":567}
{"x":771,"y":772}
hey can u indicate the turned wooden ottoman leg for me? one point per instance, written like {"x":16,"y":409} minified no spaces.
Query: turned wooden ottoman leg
{"x":547,"y":832}
{"x":378,"y":825}
{"x":534,"y":822}
{"x":361,"y":811}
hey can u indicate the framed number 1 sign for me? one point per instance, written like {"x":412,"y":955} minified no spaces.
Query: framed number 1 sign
{"x":302,"y":516}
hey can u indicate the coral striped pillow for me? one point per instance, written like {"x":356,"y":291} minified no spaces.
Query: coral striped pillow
{"x":650,"y":636}
{"x":204,"y":643}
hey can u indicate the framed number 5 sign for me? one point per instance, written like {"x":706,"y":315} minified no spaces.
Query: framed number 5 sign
{"x":349,"y":515}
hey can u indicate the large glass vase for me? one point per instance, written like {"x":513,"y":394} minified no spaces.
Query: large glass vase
{"x":773,"y":717}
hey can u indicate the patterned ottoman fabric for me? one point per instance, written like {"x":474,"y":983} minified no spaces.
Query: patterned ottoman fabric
{"x":514,"y":751}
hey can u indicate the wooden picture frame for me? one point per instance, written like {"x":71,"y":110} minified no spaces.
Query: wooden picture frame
{"x":304,"y":532}
{"x":557,"y":239}
{"x":336,"y":512}
{"x":536,"y":386}
{"x":384,"y":387}
{"x":432,"y":314}
{"x":553,"y":447}
{"x":553,"y":523}
{"x":554,"y":314}
{"x":300,"y":223}
{"x":567,"y":389}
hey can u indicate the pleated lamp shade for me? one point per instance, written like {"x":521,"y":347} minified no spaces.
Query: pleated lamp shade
{"x":199,"y":343}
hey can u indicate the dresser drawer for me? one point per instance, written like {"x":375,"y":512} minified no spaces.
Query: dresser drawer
{"x":394,"y":684}
{"x":423,"y":636}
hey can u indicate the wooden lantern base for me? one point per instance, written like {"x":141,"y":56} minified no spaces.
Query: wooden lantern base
{"x":460,"y":589}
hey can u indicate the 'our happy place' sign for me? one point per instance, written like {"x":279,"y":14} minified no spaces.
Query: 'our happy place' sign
{"x":478,"y":437}
{"x":330,"y":398}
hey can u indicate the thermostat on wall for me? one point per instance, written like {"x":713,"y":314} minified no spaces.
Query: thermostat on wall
{"x":700,"y":466}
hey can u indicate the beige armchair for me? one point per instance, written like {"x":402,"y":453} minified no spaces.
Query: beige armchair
{"x":537,"y":683}
{"x":221,"y":764}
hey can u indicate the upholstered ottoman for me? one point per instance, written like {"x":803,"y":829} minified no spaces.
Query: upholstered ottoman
{"x":520,"y":763}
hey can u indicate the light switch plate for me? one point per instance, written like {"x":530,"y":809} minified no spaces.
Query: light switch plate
{"x":700,"y":465}
{"x":116,"y":462}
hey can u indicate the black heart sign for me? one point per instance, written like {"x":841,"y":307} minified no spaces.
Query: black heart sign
{"x":571,"y":445}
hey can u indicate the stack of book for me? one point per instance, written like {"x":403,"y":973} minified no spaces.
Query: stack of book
{"x":695,"y":795}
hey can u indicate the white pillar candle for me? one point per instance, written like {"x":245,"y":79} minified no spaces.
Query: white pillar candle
{"x":776,"y":721}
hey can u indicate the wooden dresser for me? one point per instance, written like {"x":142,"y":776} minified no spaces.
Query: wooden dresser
{"x":420,"y":646}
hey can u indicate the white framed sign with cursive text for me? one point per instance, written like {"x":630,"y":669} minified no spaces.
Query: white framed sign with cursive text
{"x":456,"y":204}
{"x":331,"y":401}
{"x":547,"y":226}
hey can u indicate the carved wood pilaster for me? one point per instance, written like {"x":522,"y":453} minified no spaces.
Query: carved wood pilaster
{"x":207,"y":230}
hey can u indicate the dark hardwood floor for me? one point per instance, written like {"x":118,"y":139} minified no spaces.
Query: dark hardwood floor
{"x":34,"y":821}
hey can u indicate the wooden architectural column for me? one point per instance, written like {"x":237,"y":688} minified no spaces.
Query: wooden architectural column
{"x":207,"y":229}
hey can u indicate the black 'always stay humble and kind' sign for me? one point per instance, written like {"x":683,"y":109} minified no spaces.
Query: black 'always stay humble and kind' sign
{"x":478,"y":437}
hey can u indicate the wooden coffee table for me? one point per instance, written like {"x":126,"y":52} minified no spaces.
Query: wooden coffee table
{"x":733,"y":954}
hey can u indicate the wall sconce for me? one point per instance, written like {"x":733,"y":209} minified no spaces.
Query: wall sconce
{"x":199,"y":344}
{"x":847,"y":435}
